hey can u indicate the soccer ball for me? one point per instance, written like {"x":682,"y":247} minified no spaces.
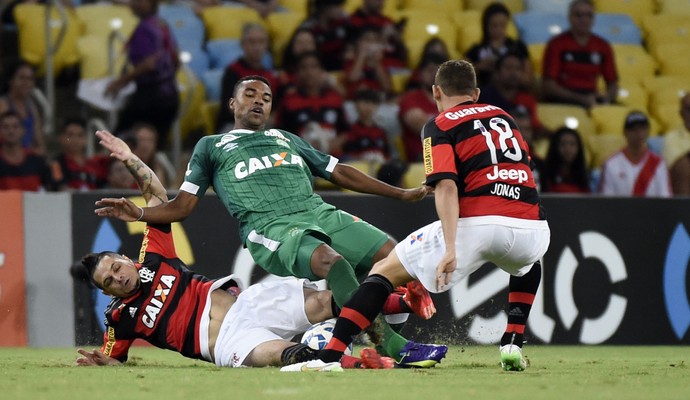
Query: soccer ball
{"x":319,"y":334}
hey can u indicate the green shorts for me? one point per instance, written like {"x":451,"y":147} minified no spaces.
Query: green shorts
{"x":284,"y":246}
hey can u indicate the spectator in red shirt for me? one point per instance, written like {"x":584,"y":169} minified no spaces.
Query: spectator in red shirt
{"x":575,"y":59}
{"x":505,"y":90}
{"x":312,"y":108}
{"x":370,"y":13}
{"x":565,"y":169}
{"x":365,"y":140}
{"x":254,"y":43}
{"x":417,"y":106}
{"x":329,"y":23}
{"x":20,"y":168}
{"x":71,"y":168}
{"x":367,"y":67}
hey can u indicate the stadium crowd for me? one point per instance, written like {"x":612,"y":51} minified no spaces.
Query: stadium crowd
{"x":353,"y":78}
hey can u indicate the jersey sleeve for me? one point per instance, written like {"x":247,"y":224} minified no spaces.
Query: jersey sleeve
{"x":199,"y":172}
{"x":319,"y":164}
{"x":114,"y":347}
{"x":551,"y":63}
{"x":439,"y":156}
{"x":158,"y":239}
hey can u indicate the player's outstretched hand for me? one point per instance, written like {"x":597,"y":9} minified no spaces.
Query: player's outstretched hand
{"x":416,"y":194}
{"x":95,"y":357}
{"x":117,"y":147}
{"x":120,"y":208}
{"x":444,"y":270}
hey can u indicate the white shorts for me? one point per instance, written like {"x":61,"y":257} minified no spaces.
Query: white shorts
{"x":265,"y":311}
{"x":512,"y":244}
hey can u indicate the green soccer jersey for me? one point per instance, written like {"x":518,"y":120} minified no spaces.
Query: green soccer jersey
{"x":258,"y":175}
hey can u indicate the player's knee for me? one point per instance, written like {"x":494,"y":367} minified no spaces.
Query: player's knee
{"x":323,"y":259}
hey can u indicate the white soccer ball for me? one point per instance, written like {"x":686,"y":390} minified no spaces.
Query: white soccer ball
{"x":319,"y":334}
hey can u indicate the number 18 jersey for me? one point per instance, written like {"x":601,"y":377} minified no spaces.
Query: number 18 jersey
{"x":480,"y":147}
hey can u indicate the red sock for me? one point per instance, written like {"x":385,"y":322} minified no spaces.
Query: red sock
{"x":395,"y":305}
{"x":350,"y":362}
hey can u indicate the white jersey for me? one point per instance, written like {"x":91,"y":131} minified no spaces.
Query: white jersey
{"x":646,"y":178}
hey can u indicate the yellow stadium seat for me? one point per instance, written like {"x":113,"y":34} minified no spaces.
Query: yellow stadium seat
{"x":209,"y":113}
{"x":468,"y":24}
{"x":281,"y":26}
{"x":636,"y":9}
{"x":225,"y":22}
{"x":601,"y":147}
{"x":30,"y":20}
{"x":192,"y":99}
{"x":674,"y":7}
{"x":101,"y":19}
{"x":515,"y":6}
{"x":298,"y":6}
{"x":554,"y":116}
{"x":94,"y":58}
{"x":665,"y":28}
{"x":423,"y":25}
{"x":536,"y":57}
{"x":668,"y":116}
{"x":633,"y":62}
{"x":609,"y":118}
{"x":442,"y":6}
{"x":633,"y":95}
{"x":399,"y":80}
{"x":415,"y":176}
{"x":368,"y":167}
{"x":674,"y":58}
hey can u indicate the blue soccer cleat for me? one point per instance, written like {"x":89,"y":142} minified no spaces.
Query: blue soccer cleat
{"x":420,"y":355}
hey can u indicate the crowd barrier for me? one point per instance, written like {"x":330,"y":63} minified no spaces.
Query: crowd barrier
{"x":615,"y":272}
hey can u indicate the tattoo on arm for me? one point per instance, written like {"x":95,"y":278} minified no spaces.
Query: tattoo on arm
{"x":144,"y":176}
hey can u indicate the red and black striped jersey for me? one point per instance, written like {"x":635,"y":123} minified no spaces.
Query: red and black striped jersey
{"x":166,"y":311}
{"x":480,"y":147}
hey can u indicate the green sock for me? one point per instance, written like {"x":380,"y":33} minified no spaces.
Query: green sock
{"x":342,"y":281}
{"x":391,"y":341}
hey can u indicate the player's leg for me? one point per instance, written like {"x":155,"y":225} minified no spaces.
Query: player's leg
{"x":522,"y":290}
{"x":365,"y":305}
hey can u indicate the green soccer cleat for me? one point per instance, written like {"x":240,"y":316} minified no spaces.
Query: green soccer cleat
{"x":512,"y":359}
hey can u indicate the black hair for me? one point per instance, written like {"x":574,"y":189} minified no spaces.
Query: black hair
{"x":491,"y":10}
{"x":553,"y":158}
{"x":366,"y":94}
{"x":73,"y":121}
{"x":90,"y":262}
{"x":10,"y":113}
{"x":249,"y":78}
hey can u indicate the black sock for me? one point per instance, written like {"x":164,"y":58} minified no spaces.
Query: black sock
{"x":357,"y":314}
{"x":520,"y":299}
{"x":297,"y":353}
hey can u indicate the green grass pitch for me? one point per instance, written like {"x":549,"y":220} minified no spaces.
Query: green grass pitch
{"x":468,"y":372}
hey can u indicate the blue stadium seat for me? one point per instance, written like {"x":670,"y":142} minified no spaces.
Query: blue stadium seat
{"x":538,"y":27}
{"x":223,"y":52}
{"x":212,"y":79}
{"x":548,"y":6}
{"x":199,"y":60}
{"x":184,"y":23}
{"x":617,"y":28}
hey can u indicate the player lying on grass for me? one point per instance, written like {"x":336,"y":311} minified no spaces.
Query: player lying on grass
{"x":161,"y":301}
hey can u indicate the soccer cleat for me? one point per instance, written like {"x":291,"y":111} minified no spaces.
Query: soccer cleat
{"x":313,"y":366}
{"x":420,"y":355}
{"x":512,"y":359}
{"x":371,"y":359}
{"x":418,"y":299}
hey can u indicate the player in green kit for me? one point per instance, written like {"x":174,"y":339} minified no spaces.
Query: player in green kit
{"x":264,"y":178}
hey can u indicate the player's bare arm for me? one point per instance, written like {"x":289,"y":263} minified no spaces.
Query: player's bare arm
{"x":447,"y":208}
{"x":175,"y":210}
{"x":151,"y":188}
{"x":95,"y":358}
{"x":351,"y":178}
